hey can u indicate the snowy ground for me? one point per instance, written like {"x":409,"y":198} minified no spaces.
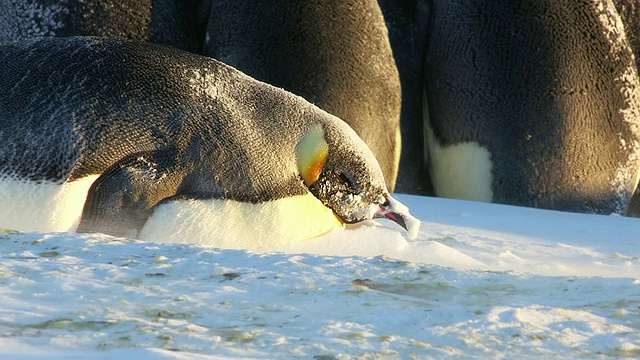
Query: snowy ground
{"x":481,"y":281}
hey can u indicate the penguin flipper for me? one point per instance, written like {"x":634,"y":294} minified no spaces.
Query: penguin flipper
{"x":121,"y":200}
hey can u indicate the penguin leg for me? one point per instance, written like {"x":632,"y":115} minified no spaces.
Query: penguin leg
{"x":121,"y":200}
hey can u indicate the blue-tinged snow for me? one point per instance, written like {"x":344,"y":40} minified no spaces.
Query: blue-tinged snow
{"x":480,"y":281}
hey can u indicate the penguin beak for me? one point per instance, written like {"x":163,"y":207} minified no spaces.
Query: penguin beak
{"x":397,"y":212}
{"x":385,"y":212}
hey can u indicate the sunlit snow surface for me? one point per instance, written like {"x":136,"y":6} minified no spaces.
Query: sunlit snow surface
{"x":481,"y":281}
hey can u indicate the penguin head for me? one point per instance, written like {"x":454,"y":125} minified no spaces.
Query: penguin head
{"x":340,"y":170}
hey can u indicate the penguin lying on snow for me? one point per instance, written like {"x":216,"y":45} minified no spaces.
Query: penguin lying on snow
{"x":165,"y":144}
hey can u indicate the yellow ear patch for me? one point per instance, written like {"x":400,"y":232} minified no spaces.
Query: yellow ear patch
{"x":311,"y":154}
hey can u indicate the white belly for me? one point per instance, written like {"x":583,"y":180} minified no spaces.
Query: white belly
{"x":237,"y":225}
{"x":44,"y":206}
{"x":460,"y":171}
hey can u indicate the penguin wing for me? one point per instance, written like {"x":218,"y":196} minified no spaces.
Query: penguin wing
{"x":121,"y":200}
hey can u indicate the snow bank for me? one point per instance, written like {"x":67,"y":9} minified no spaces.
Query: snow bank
{"x":480,"y":281}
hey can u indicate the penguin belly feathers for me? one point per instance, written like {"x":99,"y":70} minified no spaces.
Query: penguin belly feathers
{"x":169,"y":143}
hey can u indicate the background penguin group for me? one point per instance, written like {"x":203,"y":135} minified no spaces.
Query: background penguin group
{"x":529,"y":103}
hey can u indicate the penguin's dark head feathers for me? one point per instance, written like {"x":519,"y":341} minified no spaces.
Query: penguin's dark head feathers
{"x":350,"y":198}
{"x":341,"y":171}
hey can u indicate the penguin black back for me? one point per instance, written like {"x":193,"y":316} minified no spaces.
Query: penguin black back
{"x":95,"y":101}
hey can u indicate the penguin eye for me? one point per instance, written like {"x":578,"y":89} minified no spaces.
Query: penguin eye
{"x":346,"y":180}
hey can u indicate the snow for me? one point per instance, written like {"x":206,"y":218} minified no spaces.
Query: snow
{"x":480,"y":281}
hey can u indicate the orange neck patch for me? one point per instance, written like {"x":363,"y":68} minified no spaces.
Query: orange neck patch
{"x":311,"y":154}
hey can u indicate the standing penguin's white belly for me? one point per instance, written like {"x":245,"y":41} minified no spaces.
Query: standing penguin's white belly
{"x":233,"y":224}
{"x":42,"y":206}
{"x":460,"y":171}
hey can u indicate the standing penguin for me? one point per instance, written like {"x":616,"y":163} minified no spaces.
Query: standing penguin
{"x":106,"y":134}
{"x":336,"y":54}
{"x":533,"y":103}
{"x":177,"y":23}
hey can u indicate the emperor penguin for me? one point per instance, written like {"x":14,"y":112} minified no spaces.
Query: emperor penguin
{"x":135,"y":139}
{"x":533,"y":103}
{"x":176,"y":23}
{"x":336,"y":54}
